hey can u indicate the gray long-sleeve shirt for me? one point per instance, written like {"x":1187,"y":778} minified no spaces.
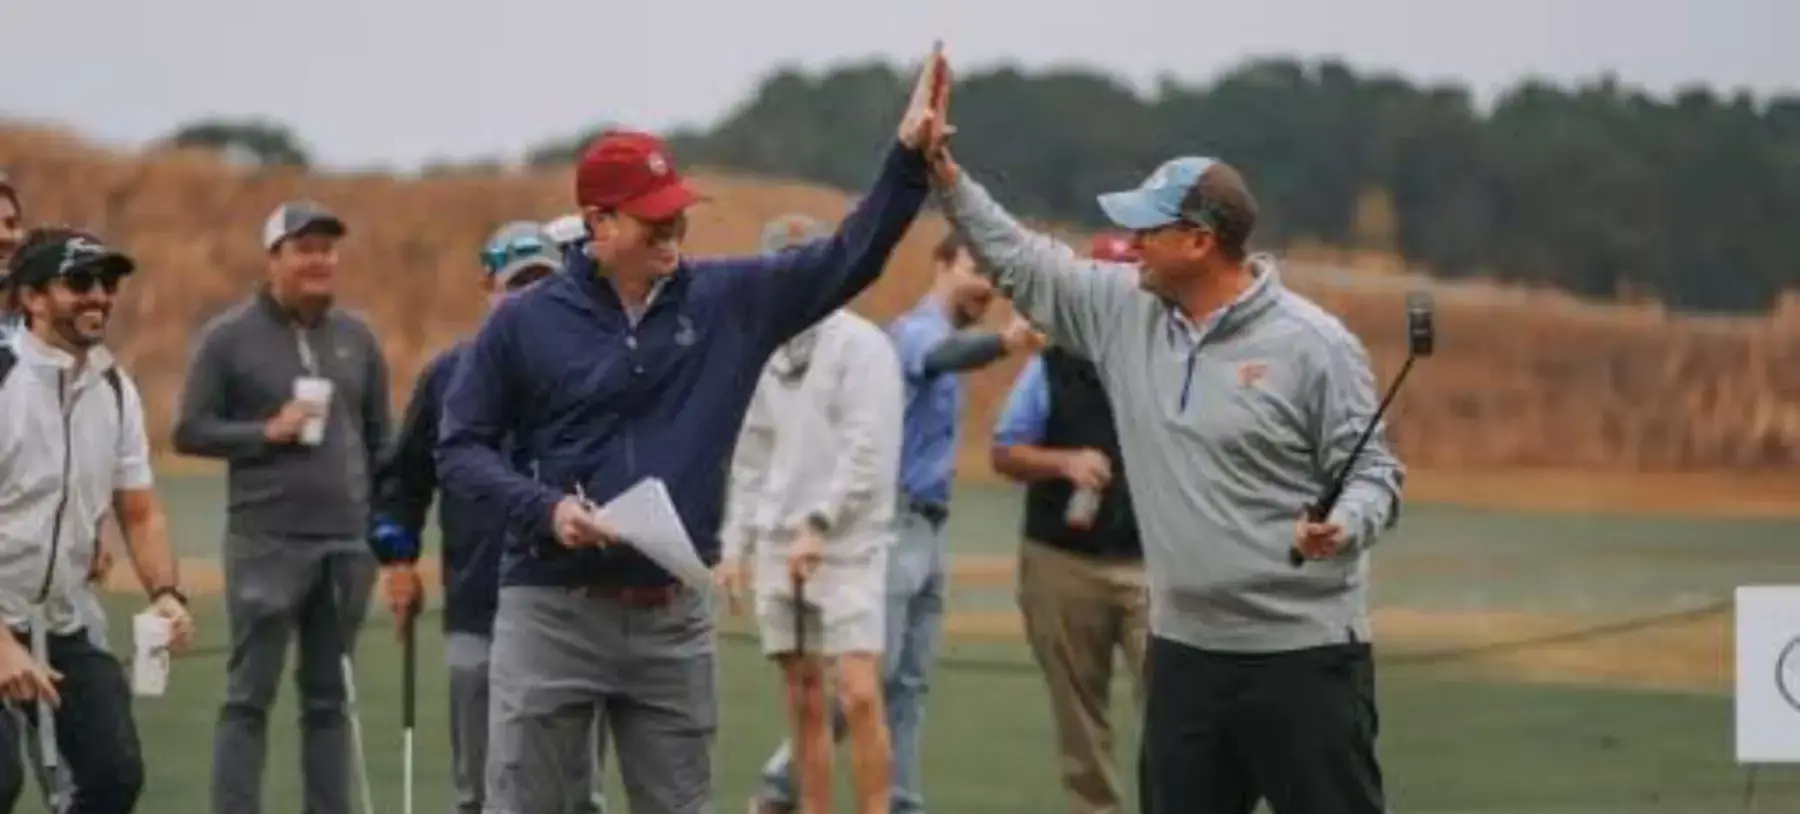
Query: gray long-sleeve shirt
{"x":1229,"y":429}
{"x":241,"y":372}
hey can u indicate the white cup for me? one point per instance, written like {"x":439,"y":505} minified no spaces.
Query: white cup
{"x":316,"y":391}
{"x":150,"y":635}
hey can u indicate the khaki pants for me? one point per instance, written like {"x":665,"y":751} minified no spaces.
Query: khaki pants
{"x":1078,"y":611}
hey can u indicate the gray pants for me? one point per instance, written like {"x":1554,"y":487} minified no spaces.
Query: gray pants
{"x":466,"y":655}
{"x":563,"y":660}
{"x":275,"y":589}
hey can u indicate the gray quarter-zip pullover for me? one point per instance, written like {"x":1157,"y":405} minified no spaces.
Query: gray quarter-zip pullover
{"x":1229,"y":428}
{"x":241,"y":372}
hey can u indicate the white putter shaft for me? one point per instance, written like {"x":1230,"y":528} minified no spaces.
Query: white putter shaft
{"x":356,"y":738}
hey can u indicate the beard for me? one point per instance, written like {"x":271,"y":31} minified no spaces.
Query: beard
{"x":82,"y":327}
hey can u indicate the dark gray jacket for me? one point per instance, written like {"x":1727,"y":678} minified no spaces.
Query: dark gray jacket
{"x":241,"y":372}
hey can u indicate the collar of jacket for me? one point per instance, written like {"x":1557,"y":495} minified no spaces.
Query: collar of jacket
{"x":1264,"y":292}
{"x":40,"y":354}
{"x":285,"y":315}
{"x":585,"y":273}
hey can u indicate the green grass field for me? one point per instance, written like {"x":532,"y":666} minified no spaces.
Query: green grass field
{"x":1453,"y":740}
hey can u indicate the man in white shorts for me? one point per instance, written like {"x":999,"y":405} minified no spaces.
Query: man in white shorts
{"x":812,"y":507}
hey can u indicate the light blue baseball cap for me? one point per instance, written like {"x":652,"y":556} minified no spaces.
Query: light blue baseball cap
{"x":516,"y":247}
{"x":1163,"y":198}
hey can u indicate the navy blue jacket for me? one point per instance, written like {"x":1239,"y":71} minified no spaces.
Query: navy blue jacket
{"x":592,"y":399}
{"x":405,"y":484}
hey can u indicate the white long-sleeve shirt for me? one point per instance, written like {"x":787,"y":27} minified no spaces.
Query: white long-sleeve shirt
{"x":822,"y":435}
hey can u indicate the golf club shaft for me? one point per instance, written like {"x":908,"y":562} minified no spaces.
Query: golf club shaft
{"x":408,"y":701}
{"x":356,"y":736}
{"x":406,"y":793}
{"x":40,"y":650}
{"x":799,"y":617}
{"x":335,"y":588}
{"x":1321,"y":509}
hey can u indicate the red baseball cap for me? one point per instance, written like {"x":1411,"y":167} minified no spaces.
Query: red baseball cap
{"x":1112,"y":247}
{"x":632,"y":172}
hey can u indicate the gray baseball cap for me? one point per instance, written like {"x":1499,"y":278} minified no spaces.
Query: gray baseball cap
{"x":295,"y":218}
{"x":790,"y":230}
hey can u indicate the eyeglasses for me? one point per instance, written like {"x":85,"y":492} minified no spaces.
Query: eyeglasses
{"x":495,"y":258}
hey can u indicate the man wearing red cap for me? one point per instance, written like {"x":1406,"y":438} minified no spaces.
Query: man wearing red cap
{"x":636,"y":363}
{"x":1081,"y":566}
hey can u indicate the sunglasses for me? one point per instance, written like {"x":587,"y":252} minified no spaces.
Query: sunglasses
{"x":525,"y":277}
{"x":495,"y":258}
{"x":83,"y":281}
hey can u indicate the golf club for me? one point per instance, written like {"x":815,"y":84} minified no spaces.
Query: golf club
{"x":334,"y":588}
{"x":1420,"y":342}
{"x":48,"y":755}
{"x":408,"y":702}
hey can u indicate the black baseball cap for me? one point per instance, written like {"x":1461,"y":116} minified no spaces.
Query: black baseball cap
{"x":56,"y":252}
{"x":296,"y":218}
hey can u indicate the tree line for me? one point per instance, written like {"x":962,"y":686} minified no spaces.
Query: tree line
{"x":1599,"y":189}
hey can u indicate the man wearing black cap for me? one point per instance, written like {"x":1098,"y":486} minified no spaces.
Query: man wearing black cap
{"x":292,"y":392}
{"x":74,"y":426}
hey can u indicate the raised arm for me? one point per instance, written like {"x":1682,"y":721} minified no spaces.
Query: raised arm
{"x":749,"y":470}
{"x":478,"y":412}
{"x":1344,"y":399}
{"x":407,"y":477}
{"x":205,"y":427}
{"x":796,"y":287}
{"x":1071,"y":298}
{"x":869,"y":436}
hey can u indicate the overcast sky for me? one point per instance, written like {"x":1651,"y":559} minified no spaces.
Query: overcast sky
{"x":402,"y":81}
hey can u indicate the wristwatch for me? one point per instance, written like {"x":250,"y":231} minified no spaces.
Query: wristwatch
{"x":169,"y":590}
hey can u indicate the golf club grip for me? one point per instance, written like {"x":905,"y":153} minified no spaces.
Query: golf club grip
{"x":799,"y":616}
{"x":409,"y":670}
{"x":1317,"y":511}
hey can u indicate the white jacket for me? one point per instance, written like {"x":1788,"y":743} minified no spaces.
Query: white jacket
{"x":67,"y":444}
{"x":822,"y":435}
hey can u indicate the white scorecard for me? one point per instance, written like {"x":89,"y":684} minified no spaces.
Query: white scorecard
{"x":645,"y":519}
{"x":1768,"y":674}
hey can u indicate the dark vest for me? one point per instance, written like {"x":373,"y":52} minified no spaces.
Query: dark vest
{"x":1080,"y":416}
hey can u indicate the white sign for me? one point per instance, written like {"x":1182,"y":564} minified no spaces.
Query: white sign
{"x":1768,"y":674}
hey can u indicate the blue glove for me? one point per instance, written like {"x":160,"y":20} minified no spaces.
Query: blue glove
{"x":392,"y":543}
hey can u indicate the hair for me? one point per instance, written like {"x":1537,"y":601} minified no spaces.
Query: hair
{"x":1222,"y":202}
{"x":948,"y":249}
{"x":11,"y":193}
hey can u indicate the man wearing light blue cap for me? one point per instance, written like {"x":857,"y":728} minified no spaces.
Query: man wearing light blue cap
{"x":517,"y":255}
{"x":1236,"y":402}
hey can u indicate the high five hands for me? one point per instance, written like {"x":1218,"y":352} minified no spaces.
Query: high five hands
{"x":926,"y":124}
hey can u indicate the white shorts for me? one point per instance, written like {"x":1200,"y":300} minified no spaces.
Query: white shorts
{"x":845,"y":609}
{"x":856,"y":631}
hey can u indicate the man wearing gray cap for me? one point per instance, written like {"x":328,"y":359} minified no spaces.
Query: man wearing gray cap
{"x":291,"y":392}
{"x":517,"y":255}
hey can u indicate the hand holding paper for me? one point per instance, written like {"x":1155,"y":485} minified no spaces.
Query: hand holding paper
{"x":644,"y":518}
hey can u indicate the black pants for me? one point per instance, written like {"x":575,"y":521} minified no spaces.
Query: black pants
{"x":94,"y":731}
{"x":1223,"y":730}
